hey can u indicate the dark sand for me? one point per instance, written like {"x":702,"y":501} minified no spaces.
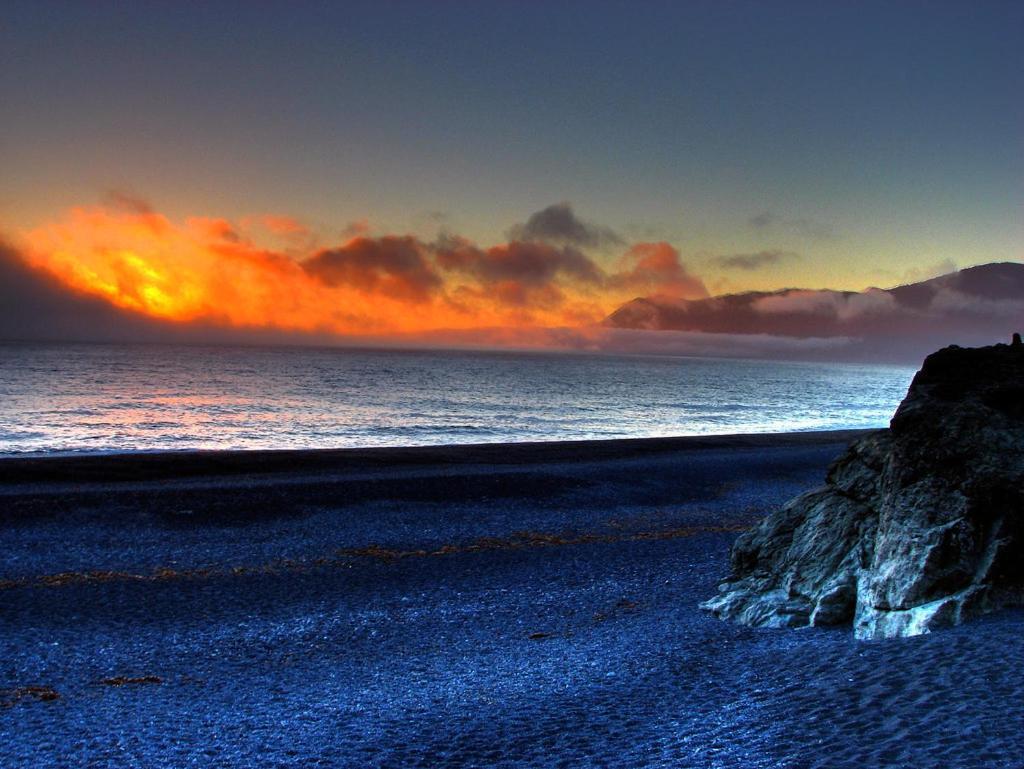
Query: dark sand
{"x":514,"y":605}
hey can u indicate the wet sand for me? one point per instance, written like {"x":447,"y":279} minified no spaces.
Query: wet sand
{"x":503,"y":605}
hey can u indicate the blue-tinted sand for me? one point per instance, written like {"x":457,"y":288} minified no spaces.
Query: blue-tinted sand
{"x":436,"y":648}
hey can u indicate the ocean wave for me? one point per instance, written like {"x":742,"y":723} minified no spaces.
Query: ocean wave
{"x":111,"y":400}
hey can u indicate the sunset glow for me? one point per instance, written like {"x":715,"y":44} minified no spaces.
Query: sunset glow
{"x":389,"y":384}
{"x":335,"y":176}
{"x":250,"y":275}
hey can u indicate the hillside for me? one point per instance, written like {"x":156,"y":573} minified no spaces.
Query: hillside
{"x":973,"y":306}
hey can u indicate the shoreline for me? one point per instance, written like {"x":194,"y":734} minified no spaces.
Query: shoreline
{"x":211,"y":463}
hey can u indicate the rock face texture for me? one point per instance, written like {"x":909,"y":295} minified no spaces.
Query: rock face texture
{"x":919,"y":526}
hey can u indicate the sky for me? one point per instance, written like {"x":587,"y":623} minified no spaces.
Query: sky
{"x":395,"y":168}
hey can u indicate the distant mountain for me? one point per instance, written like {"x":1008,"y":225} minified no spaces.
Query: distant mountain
{"x":974,"y":306}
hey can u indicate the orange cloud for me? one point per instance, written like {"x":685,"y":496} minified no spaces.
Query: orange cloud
{"x":213,"y":271}
{"x":283,"y":225}
{"x":655,"y":269}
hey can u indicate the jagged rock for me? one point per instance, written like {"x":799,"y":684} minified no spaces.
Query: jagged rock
{"x":919,"y":526}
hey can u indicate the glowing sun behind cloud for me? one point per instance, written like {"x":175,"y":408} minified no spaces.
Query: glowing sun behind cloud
{"x":211,"y":270}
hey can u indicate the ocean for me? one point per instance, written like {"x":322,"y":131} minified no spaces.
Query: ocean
{"x":58,"y":398}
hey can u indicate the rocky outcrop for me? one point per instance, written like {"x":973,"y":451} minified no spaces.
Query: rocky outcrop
{"x":919,"y":526}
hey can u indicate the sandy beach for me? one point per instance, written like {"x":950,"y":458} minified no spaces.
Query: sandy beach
{"x":494,"y":605}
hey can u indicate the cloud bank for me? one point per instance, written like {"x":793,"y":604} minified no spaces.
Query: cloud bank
{"x":122,"y":270}
{"x":270,"y":272}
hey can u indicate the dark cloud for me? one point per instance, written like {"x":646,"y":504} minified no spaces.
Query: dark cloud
{"x":559,"y":224}
{"x":763,"y":220}
{"x":530,"y":297}
{"x":397,"y":267}
{"x":530,"y":264}
{"x":811,"y":229}
{"x":753,"y":261}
